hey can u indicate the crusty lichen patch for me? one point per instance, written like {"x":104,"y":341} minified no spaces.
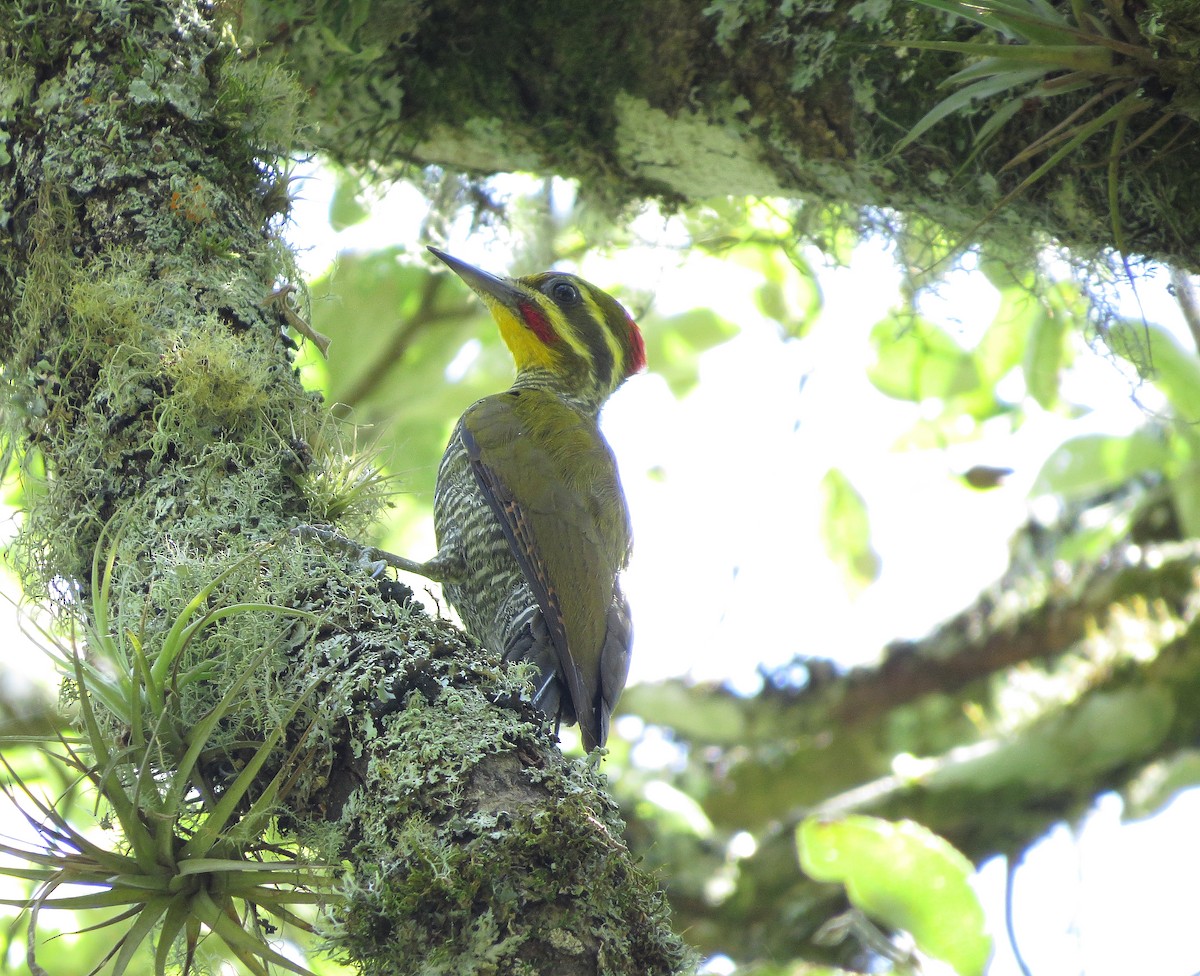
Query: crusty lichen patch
{"x":546,"y":859}
{"x":689,"y":153}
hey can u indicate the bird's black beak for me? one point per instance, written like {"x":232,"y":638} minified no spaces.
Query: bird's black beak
{"x":487,"y":286}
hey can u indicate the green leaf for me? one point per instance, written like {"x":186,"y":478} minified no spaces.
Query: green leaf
{"x":1118,"y":115}
{"x":346,"y":208}
{"x":1065,"y":57}
{"x":846,"y":531}
{"x":1156,"y":353}
{"x":1002,"y":347}
{"x":1185,"y":493}
{"x":1088,"y":465}
{"x":916,"y":360}
{"x":139,"y":933}
{"x":674,"y":345}
{"x":906,"y":877}
{"x":789,"y":293}
{"x":998,"y":81}
{"x":1033,"y":21}
{"x":1044,"y":355}
{"x":770,"y":301}
{"x":395,"y":331}
{"x":244,"y":944}
{"x":672,"y":810}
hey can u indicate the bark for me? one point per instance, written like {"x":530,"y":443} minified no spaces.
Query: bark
{"x":150,"y":388}
{"x":689,"y":99}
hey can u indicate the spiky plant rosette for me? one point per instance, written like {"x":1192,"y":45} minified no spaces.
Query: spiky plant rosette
{"x":1040,"y":52}
{"x":192,"y":856}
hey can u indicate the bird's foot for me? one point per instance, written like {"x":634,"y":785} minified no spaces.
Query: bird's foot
{"x":373,"y":560}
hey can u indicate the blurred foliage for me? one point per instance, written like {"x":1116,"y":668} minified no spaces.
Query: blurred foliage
{"x":847,"y":532}
{"x":917,"y":359}
{"x":905,"y":877}
{"x":675,"y":343}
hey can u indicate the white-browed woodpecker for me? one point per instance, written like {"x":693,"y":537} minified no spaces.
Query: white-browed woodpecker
{"x":531,"y":522}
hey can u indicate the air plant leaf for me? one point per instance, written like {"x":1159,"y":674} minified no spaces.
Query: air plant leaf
{"x":1039,"y":47}
{"x":210,"y":830}
{"x":186,"y":858}
{"x":1057,"y":57}
{"x":984,"y":88}
{"x":1128,"y":106}
{"x":246,"y":947}
{"x":1042,"y":22}
{"x":144,"y":925}
{"x":174,"y":921}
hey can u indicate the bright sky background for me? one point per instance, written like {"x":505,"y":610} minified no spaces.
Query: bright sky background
{"x":728,"y":554}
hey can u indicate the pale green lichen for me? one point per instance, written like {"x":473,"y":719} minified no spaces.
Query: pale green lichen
{"x":688,"y":153}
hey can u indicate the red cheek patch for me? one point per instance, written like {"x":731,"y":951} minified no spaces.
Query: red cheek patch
{"x":537,"y":322}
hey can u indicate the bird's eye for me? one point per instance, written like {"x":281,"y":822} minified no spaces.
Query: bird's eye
{"x":564,"y":293}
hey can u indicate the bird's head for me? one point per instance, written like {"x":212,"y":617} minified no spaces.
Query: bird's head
{"x":564,"y":333}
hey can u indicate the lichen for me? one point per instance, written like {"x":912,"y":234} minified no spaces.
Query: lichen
{"x":688,"y":153}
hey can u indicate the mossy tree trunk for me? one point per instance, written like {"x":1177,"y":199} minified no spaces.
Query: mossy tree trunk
{"x":149,"y":381}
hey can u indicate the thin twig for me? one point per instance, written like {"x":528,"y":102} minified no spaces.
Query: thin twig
{"x":1010,"y":875}
{"x":400,"y":343}
{"x":1185,"y":294}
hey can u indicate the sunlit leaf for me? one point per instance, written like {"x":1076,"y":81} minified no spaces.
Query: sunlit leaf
{"x":673,"y":810}
{"x":770,"y":301}
{"x":846,"y":531}
{"x":790,"y":293}
{"x":906,"y":877}
{"x":674,"y":345}
{"x":395,"y":332}
{"x":346,"y":208}
{"x":1044,"y":355}
{"x":1094,"y":463}
{"x":917,"y":360}
{"x":936,"y":434}
{"x":1156,"y":353}
{"x":1003,"y":345}
{"x":1185,"y":493}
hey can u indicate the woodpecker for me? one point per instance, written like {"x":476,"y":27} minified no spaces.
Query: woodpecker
{"x":530,"y":517}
